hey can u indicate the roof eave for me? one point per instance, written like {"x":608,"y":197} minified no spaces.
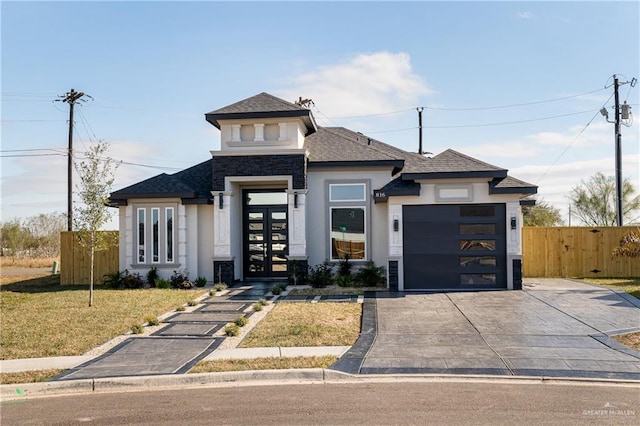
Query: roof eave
{"x":396,"y":164}
{"x":123,"y":196}
{"x":456,"y":175}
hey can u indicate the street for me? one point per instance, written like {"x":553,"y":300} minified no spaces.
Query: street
{"x":388,"y":402}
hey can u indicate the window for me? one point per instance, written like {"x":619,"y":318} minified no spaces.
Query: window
{"x":348,"y":221}
{"x":159,"y":237}
{"x":141,"y":236}
{"x":347,"y":192}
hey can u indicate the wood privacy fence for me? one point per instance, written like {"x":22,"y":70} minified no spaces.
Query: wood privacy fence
{"x":75,"y":261}
{"x":576,"y":252}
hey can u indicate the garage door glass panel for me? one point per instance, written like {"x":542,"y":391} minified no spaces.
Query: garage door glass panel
{"x":489,"y":245}
{"x":473,"y":261}
{"x":472,"y":210}
{"x":478,"y":279}
{"x":477,"y":228}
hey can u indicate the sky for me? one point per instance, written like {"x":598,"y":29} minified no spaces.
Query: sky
{"x":515,"y":84}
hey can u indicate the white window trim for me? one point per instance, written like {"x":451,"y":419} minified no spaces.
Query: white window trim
{"x":155,"y":244}
{"x":161,"y":208}
{"x":166,"y":234}
{"x":144,"y":235}
{"x":366,"y":231}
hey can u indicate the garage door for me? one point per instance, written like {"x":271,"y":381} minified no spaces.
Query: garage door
{"x":454,"y":247}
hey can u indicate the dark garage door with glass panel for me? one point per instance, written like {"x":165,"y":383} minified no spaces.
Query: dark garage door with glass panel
{"x":454,"y":247}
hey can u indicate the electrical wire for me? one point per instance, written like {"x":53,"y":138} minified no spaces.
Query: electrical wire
{"x":572,"y":142}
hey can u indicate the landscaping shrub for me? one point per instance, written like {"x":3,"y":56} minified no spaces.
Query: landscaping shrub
{"x":192,"y":303}
{"x":232,"y":330}
{"x":370,"y":275}
{"x":180,"y":308}
{"x":201,"y":282}
{"x":180,"y":280}
{"x":241,"y":321}
{"x":152,"y":276}
{"x":344,"y":280}
{"x":220,"y":286}
{"x":257,"y":307}
{"x":276,"y":289}
{"x":344,"y":267}
{"x":263,"y":302}
{"x":123,"y":280}
{"x":162,"y":283}
{"x":152,"y":320}
{"x":137,"y":329}
{"x":321,"y":276}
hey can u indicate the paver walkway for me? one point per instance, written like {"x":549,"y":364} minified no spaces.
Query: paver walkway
{"x":188,"y":338}
{"x":558,"y":328}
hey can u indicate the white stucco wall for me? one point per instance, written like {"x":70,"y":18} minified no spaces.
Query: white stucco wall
{"x":278,"y":134}
{"x":205,"y":242}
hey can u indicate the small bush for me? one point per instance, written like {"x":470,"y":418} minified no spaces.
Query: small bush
{"x":321,"y":276}
{"x":276,"y":289}
{"x":257,"y":307}
{"x":162,"y":283}
{"x":344,"y":267}
{"x":192,"y":303}
{"x":152,"y":320}
{"x":213,"y":293}
{"x":180,"y":308}
{"x":137,"y":329}
{"x":124,"y":280}
{"x":201,"y":282}
{"x":152,"y":276}
{"x":232,"y":330}
{"x":344,"y":281}
{"x":263,"y":302}
{"x":370,"y":275}
{"x":241,"y":321}
{"x":180,"y":280}
{"x":220,"y":286}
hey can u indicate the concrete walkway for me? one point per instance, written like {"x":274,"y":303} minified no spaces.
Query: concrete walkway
{"x":558,"y":328}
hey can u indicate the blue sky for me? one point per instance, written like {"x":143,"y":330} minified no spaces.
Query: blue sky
{"x":154,"y":69}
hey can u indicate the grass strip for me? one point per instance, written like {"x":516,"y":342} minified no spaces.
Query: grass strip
{"x":34,"y":376}
{"x":307,"y":324}
{"x":629,"y":285}
{"x":271,"y":363}
{"x":41,"y":318}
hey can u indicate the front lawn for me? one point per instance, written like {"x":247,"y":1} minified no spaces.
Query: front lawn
{"x":292,"y":324}
{"x":270,"y":363}
{"x":41,"y":318}
{"x":630,"y":285}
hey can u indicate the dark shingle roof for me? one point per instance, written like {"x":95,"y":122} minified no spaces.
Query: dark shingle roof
{"x":192,"y":185}
{"x":511,"y":185}
{"x":262,"y":105}
{"x":337,"y":146}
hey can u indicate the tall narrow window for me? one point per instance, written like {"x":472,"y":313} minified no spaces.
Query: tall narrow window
{"x":169,"y":219}
{"x":348,"y":221}
{"x":141,"y":235}
{"x":155,"y":222}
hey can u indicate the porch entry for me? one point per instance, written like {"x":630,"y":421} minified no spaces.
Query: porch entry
{"x":265,"y":233}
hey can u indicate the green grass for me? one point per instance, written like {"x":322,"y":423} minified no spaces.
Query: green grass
{"x":41,"y":318}
{"x":307,"y":324}
{"x":28,"y":376}
{"x":630,"y":285}
{"x":222,"y":365}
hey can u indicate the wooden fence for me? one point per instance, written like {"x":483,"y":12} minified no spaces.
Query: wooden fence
{"x":75,"y":261}
{"x":576,"y":252}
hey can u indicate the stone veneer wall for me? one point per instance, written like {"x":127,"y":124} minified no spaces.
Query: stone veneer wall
{"x":393,"y":275}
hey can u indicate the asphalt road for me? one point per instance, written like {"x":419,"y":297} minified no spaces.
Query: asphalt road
{"x":335,"y":403}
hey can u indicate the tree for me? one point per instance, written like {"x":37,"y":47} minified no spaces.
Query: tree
{"x":45,"y":230}
{"x":542,"y":214}
{"x":97,"y":173}
{"x":594,"y":201}
{"x":11,"y":237}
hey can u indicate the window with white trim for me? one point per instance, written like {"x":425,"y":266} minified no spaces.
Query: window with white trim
{"x":348,"y":221}
{"x":155,"y":243}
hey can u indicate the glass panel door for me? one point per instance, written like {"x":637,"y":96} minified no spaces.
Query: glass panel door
{"x":265,"y":237}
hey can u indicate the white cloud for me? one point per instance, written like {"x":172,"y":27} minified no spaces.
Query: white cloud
{"x":367,"y":84}
{"x":525,"y":15}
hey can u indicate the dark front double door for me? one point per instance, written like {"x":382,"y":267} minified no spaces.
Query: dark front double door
{"x":265,"y":241}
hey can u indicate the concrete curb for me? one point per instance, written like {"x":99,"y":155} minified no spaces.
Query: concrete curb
{"x":264,"y":378}
{"x":31,"y":364}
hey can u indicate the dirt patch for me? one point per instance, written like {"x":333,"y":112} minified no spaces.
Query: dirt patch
{"x":631,"y":340}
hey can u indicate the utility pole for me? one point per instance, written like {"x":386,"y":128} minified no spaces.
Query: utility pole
{"x":618,"y":142}
{"x":420,"y":151}
{"x":71,"y":98}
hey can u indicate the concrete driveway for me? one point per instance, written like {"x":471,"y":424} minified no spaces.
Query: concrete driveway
{"x":555,"y":328}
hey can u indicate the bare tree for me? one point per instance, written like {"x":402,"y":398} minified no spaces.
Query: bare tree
{"x":45,"y":229}
{"x":594,"y":201}
{"x":97,"y":173}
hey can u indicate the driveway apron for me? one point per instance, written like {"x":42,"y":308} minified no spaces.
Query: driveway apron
{"x":555,"y":328}
{"x":187,"y":338}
